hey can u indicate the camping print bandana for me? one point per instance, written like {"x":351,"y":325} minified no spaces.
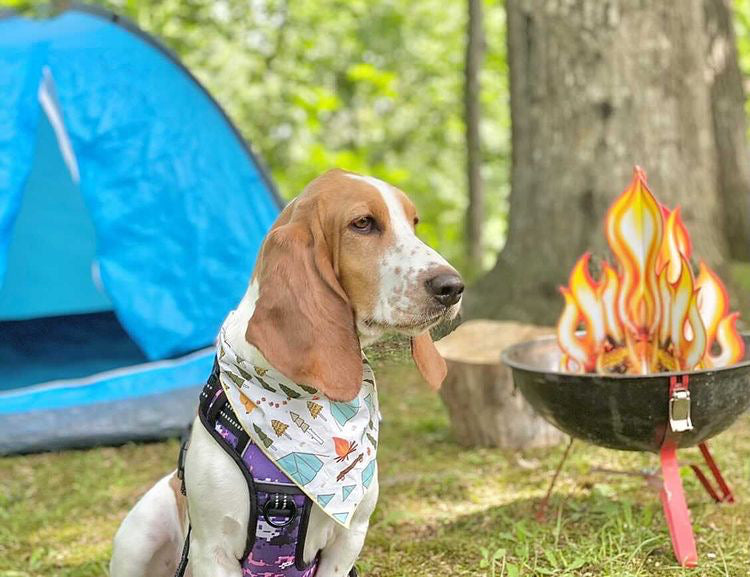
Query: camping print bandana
{"x":327,"y":448}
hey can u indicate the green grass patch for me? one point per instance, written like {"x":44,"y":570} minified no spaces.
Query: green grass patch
{"x":443,"y":510}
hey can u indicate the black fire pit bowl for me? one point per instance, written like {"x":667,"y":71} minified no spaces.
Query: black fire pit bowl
{"x":626,"y":412}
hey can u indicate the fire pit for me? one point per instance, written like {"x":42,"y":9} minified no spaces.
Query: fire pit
{"x":647,"y":356}
{"x":627,"y":412}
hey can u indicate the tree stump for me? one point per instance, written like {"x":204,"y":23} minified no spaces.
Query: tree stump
{"x":484,"y":407}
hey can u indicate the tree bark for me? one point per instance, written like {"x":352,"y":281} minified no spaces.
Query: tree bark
{"x":597,"y":87}
{"x":472,"y":69}
{"x":730,"y":126}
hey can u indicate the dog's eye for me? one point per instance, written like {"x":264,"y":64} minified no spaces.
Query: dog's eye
{"x":363,"y":224}
{"x":416,"y":221}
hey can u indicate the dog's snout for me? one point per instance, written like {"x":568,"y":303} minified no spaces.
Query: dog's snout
{"x":446,"y":288}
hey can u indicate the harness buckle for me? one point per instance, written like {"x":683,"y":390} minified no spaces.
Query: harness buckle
{"x":272,"y":508}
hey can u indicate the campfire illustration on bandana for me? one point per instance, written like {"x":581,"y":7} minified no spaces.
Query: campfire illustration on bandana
{"x":648,"y":313}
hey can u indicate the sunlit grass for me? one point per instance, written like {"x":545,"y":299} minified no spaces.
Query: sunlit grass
{"x":444,"y":510}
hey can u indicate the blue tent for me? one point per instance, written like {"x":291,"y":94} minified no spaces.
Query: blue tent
{"x":131,"y":214}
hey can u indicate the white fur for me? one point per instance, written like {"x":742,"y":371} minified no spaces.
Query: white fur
{"x":149,"y":542}
{"x":402,"y":272}
{"x":219,"y":507}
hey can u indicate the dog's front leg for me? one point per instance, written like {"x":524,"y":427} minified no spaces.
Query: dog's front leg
{"x":218,"y":505}
{"x":338,"y":555}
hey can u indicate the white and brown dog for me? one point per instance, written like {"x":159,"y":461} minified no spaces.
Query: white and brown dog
{"x":341,"y":266}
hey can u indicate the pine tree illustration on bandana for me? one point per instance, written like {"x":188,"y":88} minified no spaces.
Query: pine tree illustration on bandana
{"x":327,"y":448}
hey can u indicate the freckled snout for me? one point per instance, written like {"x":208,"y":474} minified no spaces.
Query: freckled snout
{"x":445,"y":287}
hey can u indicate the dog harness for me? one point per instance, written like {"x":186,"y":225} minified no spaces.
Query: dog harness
{"x":279,"y":511}
{"x":327,"y":448}
{"x":279,"y":504}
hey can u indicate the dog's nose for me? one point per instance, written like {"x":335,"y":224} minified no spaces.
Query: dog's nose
{"x":446,"y":288}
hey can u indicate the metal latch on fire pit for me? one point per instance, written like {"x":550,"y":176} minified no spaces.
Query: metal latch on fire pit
{"x":679,"y":411}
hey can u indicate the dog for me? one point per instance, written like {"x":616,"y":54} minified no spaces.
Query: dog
{"x":341,"y":266}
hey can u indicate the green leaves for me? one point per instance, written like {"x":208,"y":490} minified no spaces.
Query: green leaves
{"x":374,"y":87}
{"x":381,"y":82}
{"x":497,"y":563}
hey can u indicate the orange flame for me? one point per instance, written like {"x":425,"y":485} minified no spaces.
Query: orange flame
{"x":342,"y":446}
{"x":649,"y":313}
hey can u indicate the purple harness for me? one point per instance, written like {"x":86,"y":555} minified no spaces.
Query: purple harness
{"x":279,"y":510}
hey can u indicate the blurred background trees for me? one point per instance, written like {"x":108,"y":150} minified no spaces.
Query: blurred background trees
{"x":386,"y":87}
{"x":372,"y":86}
{"x":597,"y":87}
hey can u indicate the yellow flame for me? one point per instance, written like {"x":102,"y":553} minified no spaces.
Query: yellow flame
{"x":608,"y":297}
{"x":721,"y":325}
{"x":687,"y":332}
{"x":649,"y":313}
{"x":634,"y":232}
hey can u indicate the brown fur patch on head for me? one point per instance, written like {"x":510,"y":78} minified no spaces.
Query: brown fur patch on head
{"x":303,"y":322}
{"x":318,"y":275}
{"x":341,"y":200}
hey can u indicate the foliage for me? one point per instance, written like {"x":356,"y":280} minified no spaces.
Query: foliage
{"x":372,"y":86}
{"x":742,"y":32}
{"x":443,"y":509}
{"x":375,"y":87}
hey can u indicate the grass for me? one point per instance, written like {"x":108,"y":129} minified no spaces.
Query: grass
{"x":443,"y":510}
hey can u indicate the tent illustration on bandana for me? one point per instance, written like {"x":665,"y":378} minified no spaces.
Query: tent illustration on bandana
{"x":302,"y":467}
{"x":344,"y":412}
{"x":131,"y":214}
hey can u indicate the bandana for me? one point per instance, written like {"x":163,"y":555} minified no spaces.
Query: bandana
{"x":326,"y":448}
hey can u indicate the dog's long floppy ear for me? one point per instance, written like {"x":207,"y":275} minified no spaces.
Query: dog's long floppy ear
{"x":428,"y":360}
{"x":303,"y":322}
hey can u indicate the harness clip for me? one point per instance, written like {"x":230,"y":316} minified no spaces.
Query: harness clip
{"x":272,"y":510}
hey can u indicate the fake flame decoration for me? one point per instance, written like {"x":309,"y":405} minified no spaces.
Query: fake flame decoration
{"x":647,"y":314}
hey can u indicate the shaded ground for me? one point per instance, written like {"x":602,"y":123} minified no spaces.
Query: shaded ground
{"x":444,"y":510}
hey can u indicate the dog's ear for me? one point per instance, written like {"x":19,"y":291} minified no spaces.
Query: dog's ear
{"x":428,"y":360}
{"x":303,"y":322}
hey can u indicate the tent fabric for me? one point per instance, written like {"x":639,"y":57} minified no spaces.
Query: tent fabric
{"x":52,"y":211}
{"x":131,"y":215}
{"x":109,"y":408}
{"x":172,"y":195}
{"x":66,"y":347}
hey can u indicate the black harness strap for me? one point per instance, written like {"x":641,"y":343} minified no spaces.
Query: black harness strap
{"x":182,"y":567}
{"x":214,"y":407}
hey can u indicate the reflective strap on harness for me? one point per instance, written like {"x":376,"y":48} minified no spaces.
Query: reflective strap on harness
{"x":181,"y":460}
{"x":182,"y":567}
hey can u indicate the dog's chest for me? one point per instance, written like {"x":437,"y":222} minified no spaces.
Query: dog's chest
{"x":327,"y":448}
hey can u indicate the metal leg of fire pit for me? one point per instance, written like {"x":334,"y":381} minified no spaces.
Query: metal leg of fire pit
{"x":726,"y":493}
{"x":541,"y":510}
{"x":672,"y":493}
{"x":675,"y":508}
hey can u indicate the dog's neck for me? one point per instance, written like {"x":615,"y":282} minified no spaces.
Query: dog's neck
{"x":235,"y":327}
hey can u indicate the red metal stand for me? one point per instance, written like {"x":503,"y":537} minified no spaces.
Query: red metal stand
{"x":675,"y":508}
{"x":726,"y":493}
{"x":541,"y":510}
{"x":672,"y":493}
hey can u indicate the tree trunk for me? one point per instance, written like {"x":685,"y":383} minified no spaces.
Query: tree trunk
{"x":472,"y":69}
{"x":485,"y":408}
{"x":597,"y":87}
{"x":730,"y":127}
